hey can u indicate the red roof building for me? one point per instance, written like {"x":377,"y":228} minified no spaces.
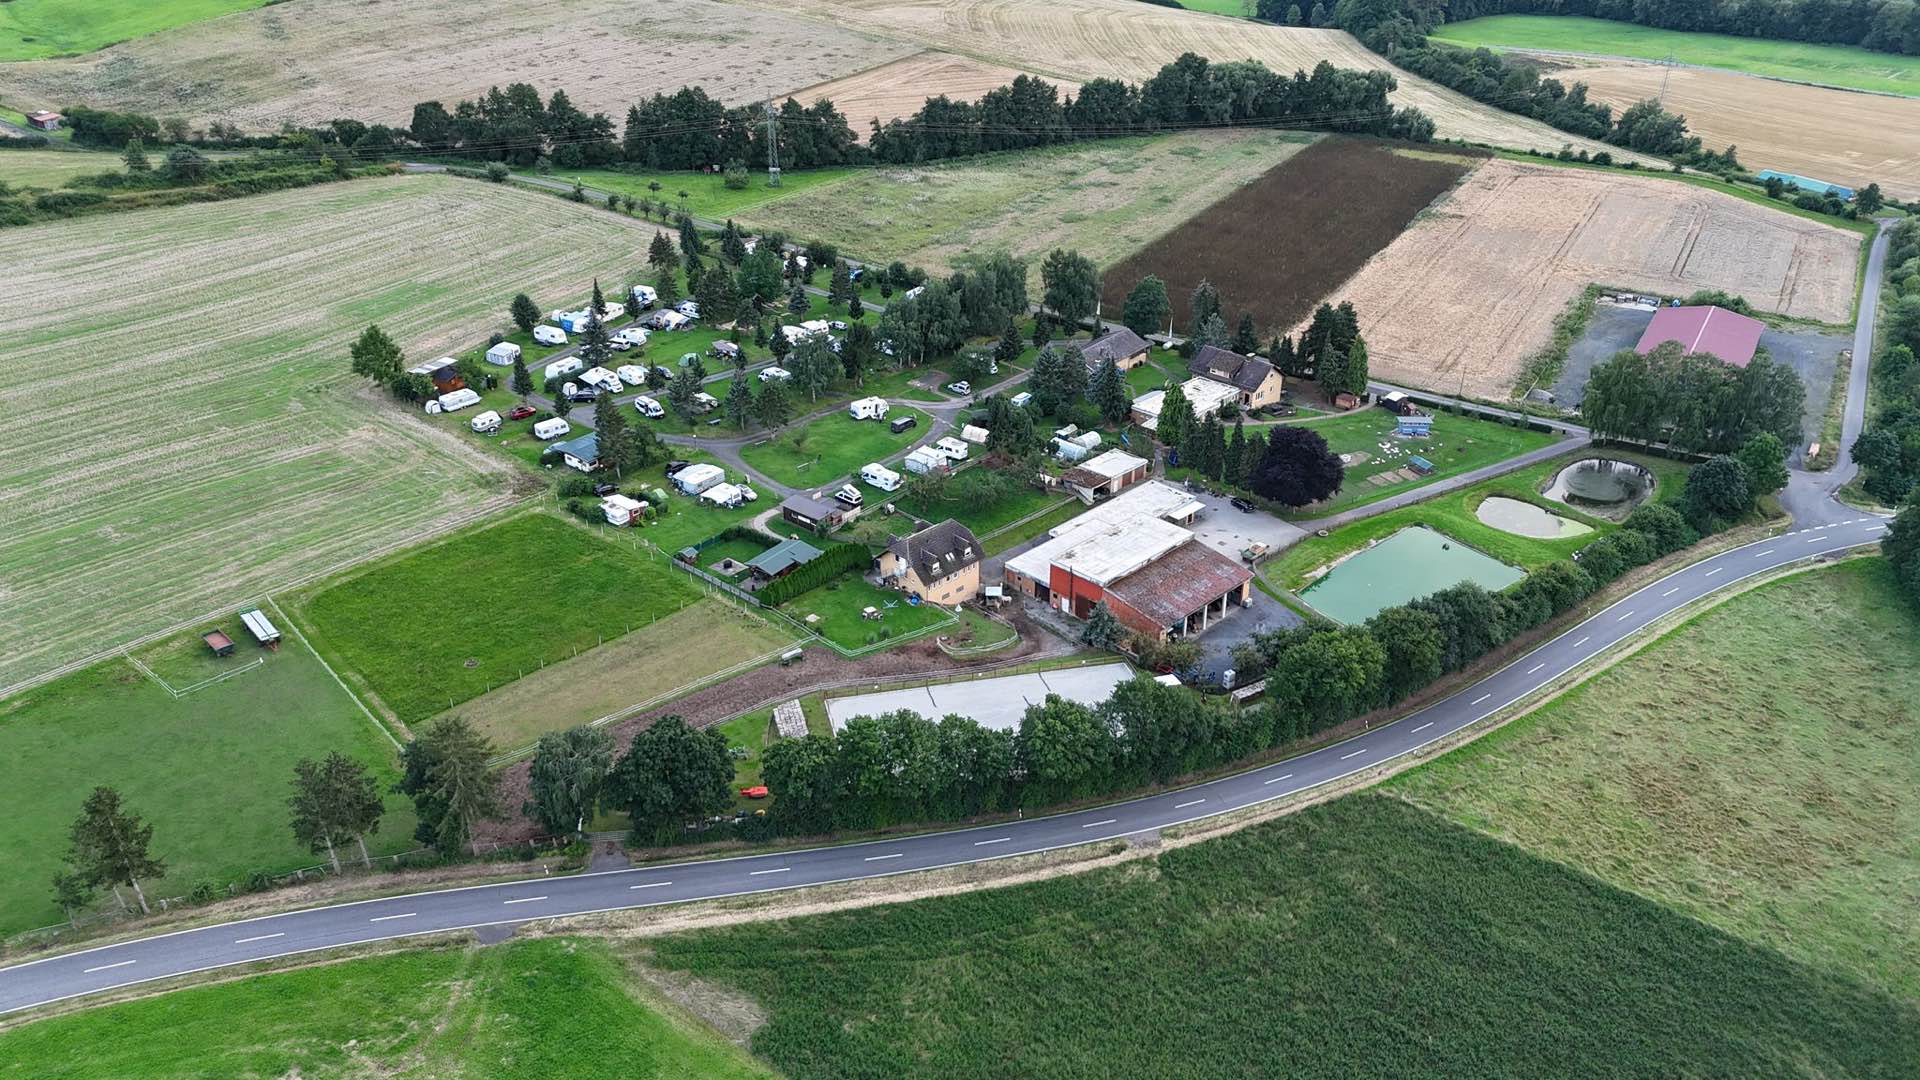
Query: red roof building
{"x":1706,"y":329}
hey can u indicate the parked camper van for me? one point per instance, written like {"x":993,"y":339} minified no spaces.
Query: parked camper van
{"x":458,"y":399}
{"x":850,"y":495}
{"x":767,"y":374}
{"x":632,"y":335}
{"x":486,"y":423}
{"x":689,"y":308}
{"x":549,"y":335}
{"x":954,"y":449}
{"x":648,"y":407}
{"x":566,"y":365}
{"x":1021,"y":399}
{"x":632,"y":374}
{"x":645,"y":296}
{"x":881,"y":477}
{"x":551,"y":428}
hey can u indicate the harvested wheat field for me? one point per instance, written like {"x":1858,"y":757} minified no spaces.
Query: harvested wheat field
{"x":1275,"y":246}
{"x":1127,"y":39}
{"x":184,"y":433}
{"x":900,"y":88}
{"x":1836,"y":135}
{"x":1462,"y":298}
{"x":309,"y":60}
{"x":1106,"y":198}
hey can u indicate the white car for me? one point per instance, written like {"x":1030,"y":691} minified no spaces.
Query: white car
{"x":619,"y":345}
{"x":963,"y":388}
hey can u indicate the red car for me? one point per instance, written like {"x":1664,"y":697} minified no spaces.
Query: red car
{"x":521,"y":412}
{"x":758,"y":791}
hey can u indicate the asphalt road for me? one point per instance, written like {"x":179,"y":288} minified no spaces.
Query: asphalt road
{"x":129,"y":963}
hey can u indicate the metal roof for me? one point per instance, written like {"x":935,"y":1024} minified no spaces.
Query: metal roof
{"x":784,"y":556}
{"x":1704,"y":329}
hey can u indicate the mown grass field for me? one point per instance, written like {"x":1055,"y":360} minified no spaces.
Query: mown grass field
{"x":1831,"y":65}
{"x":707,"y":193}
{"x":1755,"y":768}
{"x":1365,"y":937}
{"x":210,"y":771}
{"x":1453,"y":514}
{"x":840,"y":603}
{"x":554,"y":1008}
{"x":1106,"y":199}
{"x":33,"y":29}
{"x":197,"y":437}
{"x":832,"y":447}
{"x":440,"y":625}
{"x":52,"y":168}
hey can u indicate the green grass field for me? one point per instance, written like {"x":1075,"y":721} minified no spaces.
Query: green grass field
{"x":109,"y":724}
{"x":834,"y":446}
{"x":1755,"y":768}
{"x":440,"y":625}
{"x":35,"y":29}
{"x":1453,"y":514}
{"x":840,"y":603}
{"x":707,"y":193}
{"x":1832,"y":65}
{"x":1365,"y":937}
{"x":52,"y":168}
{"x":553,"y":1008}
{"x":1459,"y":444}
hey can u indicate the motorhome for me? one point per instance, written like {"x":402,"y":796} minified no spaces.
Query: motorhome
{"x":868,"y":408}
{"x":881,"y":477}
{"x":602,"y":379}
{"x":850,"y":495}
{"x":645,"y":296}
{"x":632,"y":335}
{"x":767,"y":374}
{"x":632,"y":374}
{"x":954,"y":449}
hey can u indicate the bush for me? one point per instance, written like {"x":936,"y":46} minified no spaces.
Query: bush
{"x":498,"y":172}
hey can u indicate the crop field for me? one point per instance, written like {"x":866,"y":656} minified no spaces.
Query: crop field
{"x":1754,"y":768}
{"x":697,"y":641}
{"x":307,"y":61}
{"x":1106,"y":198}
{"x":1365,"y":937}
{"x":1277,"y":246}
{"x":30,"y":29}
{"x":440,"y":625}
{"x":110,"y":724}
{"x":558,"y":1008}
{"x":1834,"y":135}
{"x":1462,"y":298}
{"x":196,"y":436}
{"x":832,"y":447}
{"x":1078,"y":40}
{"x":1798,"y":61}
{"x":900,"y":88}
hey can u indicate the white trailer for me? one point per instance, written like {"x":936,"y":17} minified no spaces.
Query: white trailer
{"x":974,"y":434}
{"x":601,"y":379}
{"x":632,"y":374}
{"x":868,"y":408}
{"x":503,"y":354}
{"x":566,"y":365}
{"x":458,"y":399}
{"x":551,"y":428}
{"x":954,"y":449}
{"x":768,"y":374}
{"x":632,"y":335}
{"x":549,"y":335}
{"x":486,"y":423}
{"x":881,"y":477}
{"x":925,"y":460}
{"x":698,"y":477}
{"x":724,"y":495}
{"x":644,"y":295}
{"x":621,"y":510}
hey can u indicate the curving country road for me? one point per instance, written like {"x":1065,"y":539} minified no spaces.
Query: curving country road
{"x":1824,"y":527}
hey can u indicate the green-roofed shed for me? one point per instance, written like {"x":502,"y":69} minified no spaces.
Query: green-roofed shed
{"x":781,"y":558}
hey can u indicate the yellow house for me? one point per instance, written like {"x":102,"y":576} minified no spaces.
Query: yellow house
{"x":1259,"y":382}
{"x":940,"y":564}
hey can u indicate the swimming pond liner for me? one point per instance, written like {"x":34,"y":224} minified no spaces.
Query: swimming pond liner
{"x":1414,"y":562}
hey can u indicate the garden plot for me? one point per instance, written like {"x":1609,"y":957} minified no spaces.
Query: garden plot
{"x":195,"y":436}
{"x":1461,"y":300}
{"x":307,"y":61}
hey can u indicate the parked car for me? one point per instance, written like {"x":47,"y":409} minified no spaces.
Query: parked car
{"x":838,"y":324}
{"x":605,"y":489}
{"x":1241,"y":505}
{"x":521,"y":412}
{"x":582,"y":394}
{"x":758,"y":791}
{"x":619,"y":344}
{"x":962,"y":388}
{"x":902,"y":423}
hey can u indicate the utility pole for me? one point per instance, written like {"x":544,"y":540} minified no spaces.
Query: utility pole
{"x":1664,"y":77}
{"x":773,"y":146}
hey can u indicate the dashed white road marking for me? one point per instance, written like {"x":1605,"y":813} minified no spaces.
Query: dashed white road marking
{"x":1670,"y":592}
{"x":1815,"y":540}
{"x":775,"y":870}
{"x":1189,"y":802}
{"x":402,"y":915}
{"x":108,"y":967}
{"x":1579,"y":643}
{"x":257,"y":937}
{"x":1356,"y":753}
{"x":1535,"y":668}
{"x":1625,"y":617}
{"x":1422,"y":727}
{"x":995,"y":840}
{"x":1096,"y":824}
{"x":650,"y":885}
{"x":524,"y":900}
{"x":878,"y":858}
{"x":1715,"y":570}
{"x":1763,"y":554}
{"x":1479,"y":699}
{"x":1276,"y":780}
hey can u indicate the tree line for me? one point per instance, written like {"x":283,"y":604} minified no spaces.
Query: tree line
{"x":1888,"y":450}
{"x":1693,"y":402}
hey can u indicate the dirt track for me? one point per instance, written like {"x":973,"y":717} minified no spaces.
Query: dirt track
{"x":1462,"y":298}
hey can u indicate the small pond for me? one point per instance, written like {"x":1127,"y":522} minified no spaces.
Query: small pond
{"x":1525,"y":519}
{"x":1409,"y":564}
{"x":1602,"y":486}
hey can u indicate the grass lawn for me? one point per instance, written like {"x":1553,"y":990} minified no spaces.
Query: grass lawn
{"x":1753,"y":768}
{"x":109,"y":724}
{"x":1833,"y":65}
{"x":1155,"y":375}
{"x":1453,"y":514}
{"x":52,"y":168}
{"x":551,"y":1008}
{"x":832,"y":447}
{"x":1365,"y":937}
{"x":36,"y":29}
{"x":1459,"y":444}
{"x":983,"y":517}
{"x":687,"y":520}
{"x":707,"y":193}
{"x":839,"y":604}
{"x":1014,"y":535}
{"x":679,"y":649}
{"x":440,"y":625}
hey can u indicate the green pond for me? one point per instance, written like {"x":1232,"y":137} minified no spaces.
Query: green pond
{"x":1409,"y":564}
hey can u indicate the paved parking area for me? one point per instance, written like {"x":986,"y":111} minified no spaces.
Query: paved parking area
{"x":997,"y":703}
{"x":1229,"y":531}
{"x":1216,"y":645}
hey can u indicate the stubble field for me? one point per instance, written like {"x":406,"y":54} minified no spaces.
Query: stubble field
{"x":185,"y":433}
{"x":1275,"y":246}
{"x":900,"y":88}
{"x":1106,"y":198}
{"x":309,"y":61}
{"x":1463,"y":298}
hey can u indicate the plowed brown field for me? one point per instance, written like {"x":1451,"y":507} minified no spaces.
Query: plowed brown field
{"x":1834,"y":135}
{"x":312,"y":60}
{"x":1275,"y":246}
{"x":1462,"y":298}
{"x":898,"y":89}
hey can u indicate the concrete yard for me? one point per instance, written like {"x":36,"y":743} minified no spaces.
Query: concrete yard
{"x":996,"y":703}
{"x":1229,"y":531}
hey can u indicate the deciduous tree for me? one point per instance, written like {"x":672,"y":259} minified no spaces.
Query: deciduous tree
{"x":1298,"y":467}
{"x":1072,"y":286}
{"x":376,"y":357}
{"x":567,"y":776}
{"x":670,"y":774}
{"x":334,"y":799}
{"x":1147,"y":307}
